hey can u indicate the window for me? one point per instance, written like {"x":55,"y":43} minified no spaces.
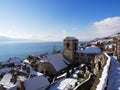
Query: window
{"x":75,"y":45}
{"x":68,"y":45}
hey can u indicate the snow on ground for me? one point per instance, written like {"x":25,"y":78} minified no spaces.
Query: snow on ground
{"x":114,"y":75}
{"x":75,"y":74}
{"x":22,"y":78}
{"x":65,"y":84}
{"x":61,"y":76}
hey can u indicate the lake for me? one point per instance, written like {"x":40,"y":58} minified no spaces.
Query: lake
{"x":23,"y":49}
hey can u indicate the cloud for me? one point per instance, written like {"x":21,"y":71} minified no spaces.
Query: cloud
{"x":2,"y":34}
{"x":107,"y":26}
{"x":98,"y":29}
{"x":102,"y":28}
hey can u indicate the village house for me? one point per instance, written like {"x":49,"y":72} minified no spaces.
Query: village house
{"x":49,"y":64}
{"x":53,"y":64}
{"x":12,"y":78}
{"x":13,"y":71}
{"x":109,"y":44}
{"x":87,"y":55}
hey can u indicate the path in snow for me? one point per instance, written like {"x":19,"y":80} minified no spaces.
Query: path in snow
{"x":114,"y":75}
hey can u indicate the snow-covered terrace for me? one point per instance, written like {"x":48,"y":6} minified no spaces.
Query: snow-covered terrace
{"x":65,"y":84}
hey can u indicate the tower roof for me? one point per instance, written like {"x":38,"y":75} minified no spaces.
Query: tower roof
{"x":70,"y":38}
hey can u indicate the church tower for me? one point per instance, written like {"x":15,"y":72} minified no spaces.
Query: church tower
{"x":70,"y":47}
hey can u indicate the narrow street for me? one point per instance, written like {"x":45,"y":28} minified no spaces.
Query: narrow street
{"x":114,"y":75}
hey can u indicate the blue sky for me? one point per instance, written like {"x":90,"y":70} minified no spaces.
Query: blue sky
{"x":53,"y":20}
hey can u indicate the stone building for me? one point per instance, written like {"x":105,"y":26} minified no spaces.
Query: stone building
{"x":76,"y":56}
{"x":46,"y":68}
{"x":88,"y":54}
{"x":53,"y":64}
{"x":70,"y":47}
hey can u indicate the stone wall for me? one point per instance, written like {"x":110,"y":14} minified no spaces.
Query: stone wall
{"x":99,"y":72}
{"x":101,"y":58}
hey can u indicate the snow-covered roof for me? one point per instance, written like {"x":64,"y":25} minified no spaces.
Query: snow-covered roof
{"x":36,"y":83}
{"x":12,"y":60}
{"x":58,"y":61}
{"x":26,"y":61}
{"x":29,"y":62}
{"x":5,"y":70}
{"x":66,"y":84}
{"x":32,"y":72}
{"x":5,"y":81}
{"x":70,"y":38}
{"x":90,"y":50}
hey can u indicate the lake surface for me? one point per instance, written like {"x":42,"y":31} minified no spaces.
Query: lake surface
{"x":23,"y":49}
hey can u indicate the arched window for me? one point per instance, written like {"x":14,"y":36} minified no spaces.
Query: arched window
{"x":68,"y":45}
